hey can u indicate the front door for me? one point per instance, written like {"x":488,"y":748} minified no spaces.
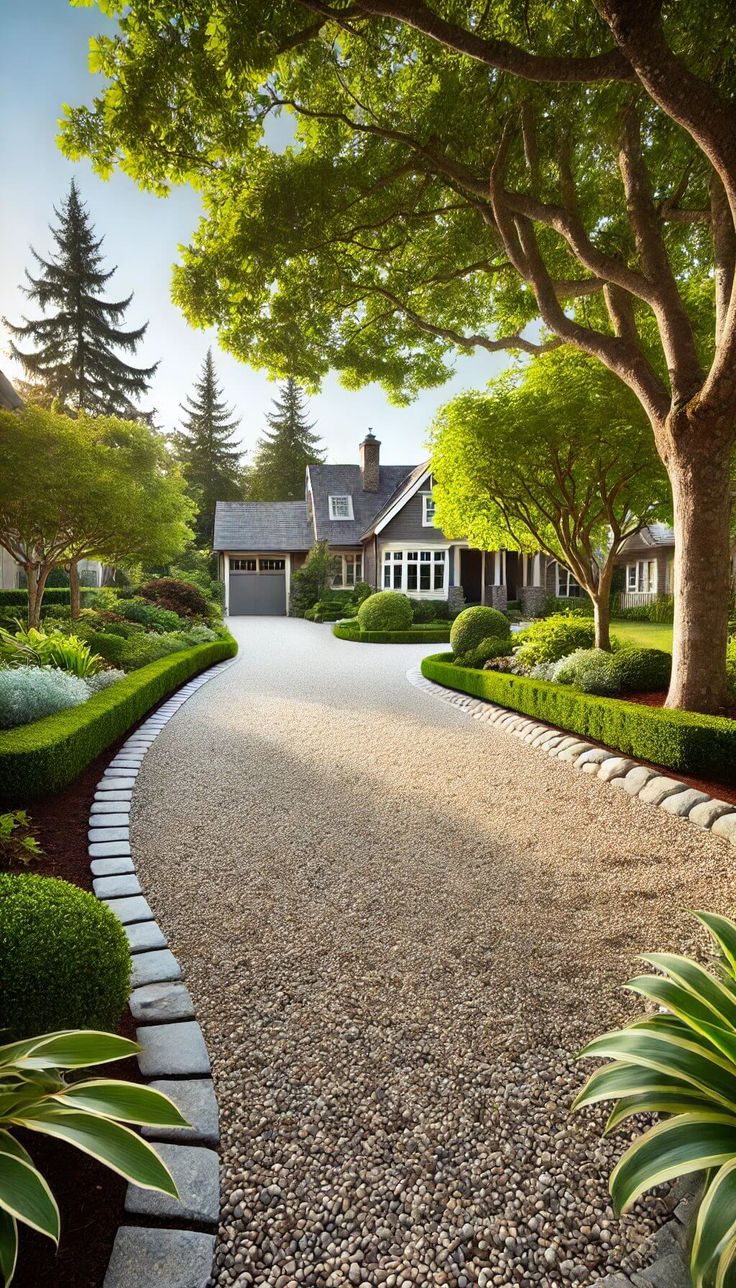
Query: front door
{"x":471,"y":575}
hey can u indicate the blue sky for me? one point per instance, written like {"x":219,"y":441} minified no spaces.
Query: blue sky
{"x":43,"y":63}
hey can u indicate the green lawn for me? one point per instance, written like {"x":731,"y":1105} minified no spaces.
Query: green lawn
{"x":644,"y":634}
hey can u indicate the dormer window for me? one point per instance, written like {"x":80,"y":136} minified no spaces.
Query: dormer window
{"x":341,"y":507}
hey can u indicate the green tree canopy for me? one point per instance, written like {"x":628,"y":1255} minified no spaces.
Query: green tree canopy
{"x":211,"y":462}
{"x":555,"y":457}
{"x":75,"y":361}
{"x":285,"y":449}
{"x":81,"y":488}
{"x":462,"y":176}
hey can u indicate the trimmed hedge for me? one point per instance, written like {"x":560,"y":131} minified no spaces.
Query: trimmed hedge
{"x":52,"y":595}
{"x":42,"y":757}
{"x":437,"y":634}
{"x":704,"y":746}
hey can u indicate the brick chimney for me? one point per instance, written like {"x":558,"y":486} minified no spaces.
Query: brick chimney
{"x":370,"y":467}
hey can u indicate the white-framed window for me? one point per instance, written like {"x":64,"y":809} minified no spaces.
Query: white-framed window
{"x":271,"y":565}
{"x":416,"y":572}
{"x":243,"y":565}
{"x":341,"y":507}
{"x":567,"y":586}
{"x":350,"y":570}
{"x":428,"y":509}
{"x":641,"y":577}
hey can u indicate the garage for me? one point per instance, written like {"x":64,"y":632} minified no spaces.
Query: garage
{"x":257,"y":586}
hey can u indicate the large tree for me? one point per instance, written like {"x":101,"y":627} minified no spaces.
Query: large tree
{"x":467,"y":176}
{"x":557,"y":457}
{"x":284,"y":450}
{"x":83,"y":488}
{"x":211,"y":461}
{"x":74,"y":359}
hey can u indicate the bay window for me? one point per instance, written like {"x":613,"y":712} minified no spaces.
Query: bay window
{"x":415,"y":571}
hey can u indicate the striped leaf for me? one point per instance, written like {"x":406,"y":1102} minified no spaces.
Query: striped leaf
{"x":126,"y":1101}
{"x":723,"y":932}
{"x":687,"y":1143}
{"x":715,"y":1228}
{"x":8,"y":1247}
{"x":712,"y":992}
{"x":25,"y":1195}
{"x":619,"y":1079}
{"x":117,"y":1147}
{"x":698,"y":1017}
{"x":652,"y":1103}
{"x":77,"y":1049}
{"x":688,"y":1059}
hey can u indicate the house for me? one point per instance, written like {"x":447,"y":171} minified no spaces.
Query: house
{"x":379,"y":523}
{"x":647,"y":560}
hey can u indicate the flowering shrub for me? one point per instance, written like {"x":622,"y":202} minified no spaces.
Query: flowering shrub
{"x":181,"y":597}
{"x":32,"y":692}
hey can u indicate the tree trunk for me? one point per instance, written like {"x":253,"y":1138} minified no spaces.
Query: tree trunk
{"x":700,"y":477}
{"x":74,"y":599}
{"x":602,"y":619}
{"x":36,"y":585}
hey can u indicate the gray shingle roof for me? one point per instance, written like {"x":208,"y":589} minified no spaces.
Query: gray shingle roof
{"x":345,"y":480}
{"x":9,"y":399}
{"x":262,"y":525}
{"x":656,"y":534}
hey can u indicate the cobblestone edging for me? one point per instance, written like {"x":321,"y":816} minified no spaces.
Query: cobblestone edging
{"x":172,"y":1243}
{"x":669,"y":1269}
{"x":651,"y":786}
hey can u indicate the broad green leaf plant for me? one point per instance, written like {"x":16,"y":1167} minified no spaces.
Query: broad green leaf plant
{"x":93,"y":1114}
{"x":680,"y":1063}
{"x":31,"y":647}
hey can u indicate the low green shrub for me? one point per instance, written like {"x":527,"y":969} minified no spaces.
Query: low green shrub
{"x":641,"y":670}
{"x":153,"y":617}
{"x":29,"y":693}
{"x":51,"y":595}
{"x":433,"y":633}
{"x":588,"y":669}
{"x":387,"y":610}
{"x":180,"y":597}
{"x":139,"y":650}
{"x":64,"y":958}
{"x":42,"y":757}
{"x":556,"y":604}
{"x":29,"y":647}
{"x":702,"y":746}
{"x":663,"y":609}
{"x":486,"y":651}
{"x":361,"y":591}
{"x":550,"y":638}
{"x":474,"y":625}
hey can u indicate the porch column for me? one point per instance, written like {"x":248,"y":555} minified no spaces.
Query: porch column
{"x":226,"y":565}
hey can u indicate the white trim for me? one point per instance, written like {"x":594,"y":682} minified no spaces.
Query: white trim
{"x":340,"y":518}
{"x":227,"y":584}
{"x":287,"y":582}
{"x":637,"y":565}
{"x":406,"y":496}
{"x":570,"y":579}
{"x":343,"y":556}
{"x":437,"y":547}
{"x":482,"y":576}
{"x":427,"y":523}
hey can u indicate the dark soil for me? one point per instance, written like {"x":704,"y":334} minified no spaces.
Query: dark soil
{"x":720,"y":791}
{"x":90,"y":1196}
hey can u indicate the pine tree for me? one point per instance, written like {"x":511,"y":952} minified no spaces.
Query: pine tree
{"x":74,"y":357}
{"x":282,"y":455}
{"x":211,"y":463}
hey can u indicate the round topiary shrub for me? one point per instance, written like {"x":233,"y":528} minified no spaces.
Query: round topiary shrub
{"x":641,"y":670}
{"x":64,"y":958}
{"x":474,"y":625}
{"x":388,"y":610}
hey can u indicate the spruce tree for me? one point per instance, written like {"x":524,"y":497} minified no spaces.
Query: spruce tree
{"x":211,"y":463}
{"x":284,"y":450}
{"x":76,"y":338}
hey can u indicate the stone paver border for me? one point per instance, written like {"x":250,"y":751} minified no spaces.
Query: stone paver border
{"x":669,"y":1268}
{"x":173,"y":1055}
{"x":651,"y":787}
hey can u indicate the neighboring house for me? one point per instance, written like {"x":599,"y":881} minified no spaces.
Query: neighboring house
{"x":647,"y":560}
{"x":378,"y":520}
{"x":11,"y":573}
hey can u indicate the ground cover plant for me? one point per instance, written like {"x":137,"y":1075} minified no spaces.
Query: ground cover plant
{"x":41,"y":1092}
{"x":18,"y":844}
{"x":418,"y":633}
{"x":680,"y":1063}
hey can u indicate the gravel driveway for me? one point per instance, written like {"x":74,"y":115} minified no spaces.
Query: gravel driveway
{"x":398,"y":926}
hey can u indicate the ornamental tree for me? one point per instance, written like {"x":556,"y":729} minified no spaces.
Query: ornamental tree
{"x":84,"y":488}
{"x":463,"y":176}
{"x":556,"y":457}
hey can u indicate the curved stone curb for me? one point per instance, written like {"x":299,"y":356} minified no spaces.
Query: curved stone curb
{"x":653,"y":788}
{"x":173,"y":1058}
{"x":669,"y":1268}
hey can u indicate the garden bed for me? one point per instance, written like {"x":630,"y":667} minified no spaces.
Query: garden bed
{"x":432,"y":633}
{"x":43,"y":757}
{"x":703,"y":747}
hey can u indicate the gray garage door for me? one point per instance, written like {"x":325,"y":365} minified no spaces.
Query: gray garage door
{"x":259,"y":591}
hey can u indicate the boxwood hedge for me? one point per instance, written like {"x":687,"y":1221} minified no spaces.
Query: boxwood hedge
{"x":438,"y":633}
{"x":52,"y":595}
{"x":704,"y":746}
{"x":42,"y":757}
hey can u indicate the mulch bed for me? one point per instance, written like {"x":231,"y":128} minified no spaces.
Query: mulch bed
{"x":720,"y":791}
{"x":90,"y":1196}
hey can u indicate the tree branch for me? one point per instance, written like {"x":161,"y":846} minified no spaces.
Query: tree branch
{"x":465,"y":341}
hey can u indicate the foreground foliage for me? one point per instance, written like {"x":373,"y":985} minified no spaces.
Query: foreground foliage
{"x":94,"y":1115}
{"x":680,"y":1062}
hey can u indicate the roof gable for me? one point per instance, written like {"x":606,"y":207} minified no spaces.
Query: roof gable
{"x":325,"y":481}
